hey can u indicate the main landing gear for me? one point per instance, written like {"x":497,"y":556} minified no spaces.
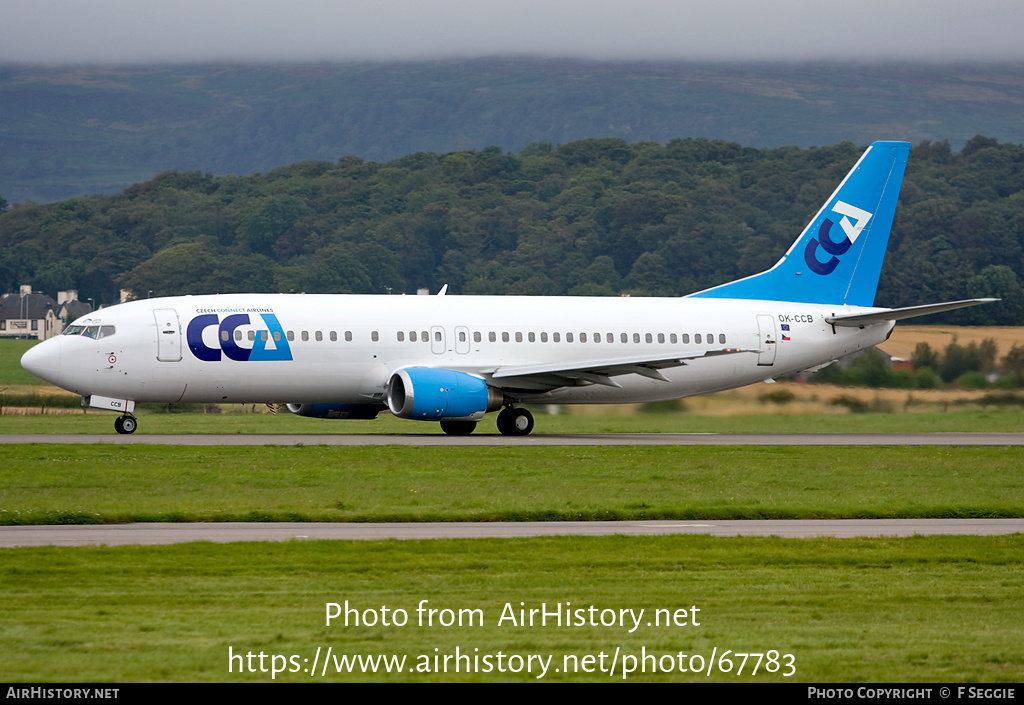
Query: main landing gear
{"x":512,"y":421}
{"x":515,"y":421}
{"x":125,"y":424}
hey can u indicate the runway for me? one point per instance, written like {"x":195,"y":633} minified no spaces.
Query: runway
{"x":539,"y":439}
{"x":167,"y":533}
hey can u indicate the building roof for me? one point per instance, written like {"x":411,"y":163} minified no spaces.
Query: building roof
{"x":30,"y":306}
{"x":35,"y":306}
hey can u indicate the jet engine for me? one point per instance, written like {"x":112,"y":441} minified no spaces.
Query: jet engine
{"x":430,"y":394}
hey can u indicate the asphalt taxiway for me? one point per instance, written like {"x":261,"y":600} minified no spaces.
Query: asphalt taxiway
{"x":227,"y":532}
{"x":539,"y":439}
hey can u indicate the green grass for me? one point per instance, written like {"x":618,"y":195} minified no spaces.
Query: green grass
{"x":11,"y":371}
{"x":937,"y":609}
{"x":108,"y":484}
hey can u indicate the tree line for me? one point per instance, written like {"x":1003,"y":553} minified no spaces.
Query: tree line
{"x":971,"y":366}
{"x":596,"y":217}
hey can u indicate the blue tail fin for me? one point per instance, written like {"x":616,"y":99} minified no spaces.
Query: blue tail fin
{"x":838,"y":256}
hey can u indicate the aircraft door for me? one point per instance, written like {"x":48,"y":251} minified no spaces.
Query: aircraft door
{"x":462,"y":340}
{"x":767,"y":340}
{"x":437,"y":340}
{"x":168,"y":335}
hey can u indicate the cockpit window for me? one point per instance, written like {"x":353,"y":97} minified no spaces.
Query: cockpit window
{"x":90,"y":329}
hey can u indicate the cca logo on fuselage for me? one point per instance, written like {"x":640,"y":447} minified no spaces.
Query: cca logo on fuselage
{"x":226,"y":338}
{"x":836,"y":248}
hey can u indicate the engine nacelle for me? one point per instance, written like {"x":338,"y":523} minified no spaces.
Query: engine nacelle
{"x":336,"y":411}
{"x":431,"y":394}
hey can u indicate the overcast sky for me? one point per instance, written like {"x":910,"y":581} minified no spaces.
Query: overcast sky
{"x":119,"y":31}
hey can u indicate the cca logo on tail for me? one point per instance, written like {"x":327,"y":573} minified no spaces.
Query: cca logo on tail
{"x":835,"y":248}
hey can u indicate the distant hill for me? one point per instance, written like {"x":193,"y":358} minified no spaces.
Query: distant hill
{"x":66,"y":132}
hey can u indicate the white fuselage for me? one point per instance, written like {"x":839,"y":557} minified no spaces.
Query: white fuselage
{"x":344,"y":348}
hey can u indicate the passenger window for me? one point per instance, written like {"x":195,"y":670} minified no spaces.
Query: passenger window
{"x":319,"y":336}
{"x":696,"y":338}
{"x":531,"y":337}
{"x":476,"y":336}
{"x":264,"y":335}
{"x":348,"y":336}
{"x":462,"y":336}
{"x":252,"y":335}
{"x":374,"y":336}
{"x":556,"y":337}
{"x":401,"y":337}
{"x":334,"y":336}
{"x":610,"y":337}
{"x":519,"y":337}
{"x":686,"y":338}
{"x":291,"y":335}
{"x":412,"y":336}
{"x":636,"y":337}
{"x":224,"y":336}
{"x":648,"y":338}
{"x":492,"y":337}
{"x":672,"y":338}
{"x":661,"y":337}
{"x":437,"y":336}
{"x":305,"y":336}
{"x":721,"y":338}
{"x":544,"y":337}
{"x":583,"y":337}
{"x":277,"y":336}
{"x":625,"y":337}
{"x":568,"y":337}
{"x":504,"y":337}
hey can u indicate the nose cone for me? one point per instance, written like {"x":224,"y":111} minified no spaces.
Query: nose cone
{"x":43,"y":360}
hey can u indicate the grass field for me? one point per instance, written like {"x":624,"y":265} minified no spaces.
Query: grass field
{"x":939,"y":609}
{"x":101,"y":483}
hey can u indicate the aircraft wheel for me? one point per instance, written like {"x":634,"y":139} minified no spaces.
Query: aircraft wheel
{"x":125,"y":424}
{"x":515,"y":422}
{"x":503,"y":422}
{"x":457,"y":427}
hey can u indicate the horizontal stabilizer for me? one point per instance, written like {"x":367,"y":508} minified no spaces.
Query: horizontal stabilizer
{"x":858,"y":320}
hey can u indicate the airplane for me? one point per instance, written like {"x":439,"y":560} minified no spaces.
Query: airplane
{"x":453,"y":359}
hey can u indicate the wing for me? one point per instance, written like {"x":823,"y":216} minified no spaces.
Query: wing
{"x":548,"y":376}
